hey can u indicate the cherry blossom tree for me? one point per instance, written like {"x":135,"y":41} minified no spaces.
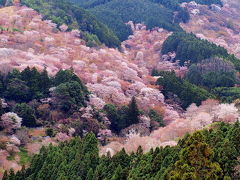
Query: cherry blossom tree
{"x":14,"y":140}
{"x":103,"y":135}
{"x":226,"y":112}
{"x":10,"y":121}
{"x":62,"y":137}
{"x":63,"y":28}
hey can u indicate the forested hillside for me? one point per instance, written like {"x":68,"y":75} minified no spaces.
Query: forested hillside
{"x":168,"y":3}
{"x":210,"y":66}
{"x":110,"y":89}
{"x":189,"y":47}
{"x":63,"y":12}
{"x":187,"y":92}
{"x":207,"y":154}
{"x":116,"y":13}
{"x":207,"y":2}
{"x":154,"y":13}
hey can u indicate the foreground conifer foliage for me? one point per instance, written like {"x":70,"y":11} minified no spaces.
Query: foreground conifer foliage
{"x":207,"y":154}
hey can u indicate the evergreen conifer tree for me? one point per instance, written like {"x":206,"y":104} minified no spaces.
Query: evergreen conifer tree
{"x":196,"y":161}
{"x":133,"y":112}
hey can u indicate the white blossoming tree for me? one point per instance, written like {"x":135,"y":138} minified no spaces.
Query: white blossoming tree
{"x":10,"y":121}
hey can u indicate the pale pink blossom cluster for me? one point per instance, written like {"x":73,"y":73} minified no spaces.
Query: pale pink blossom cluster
{"x":75,"y":32}
{"x":134,"y":89}
{"x":133,"y":143}
{"x":60,"y":137}
{"x":11,"y":148}
{"x":10,"y":121}
{"x":71,"y":131}
{"x":7,"y":164}
{"x":170,"y":115}
{"x":104,"y":134}
{"x":226,"y":112}
{"x":3,"y":103}
{"x":96,"y":102}
{"x":150,"y":97}
{"x":108,"y":94}
{"x":14,"y":140}
{"x":195,"y":118}
{"x":108,"y":73}
{"x":63,"y":27}
{"x":145,"y":121}
{"x":211,"y":111}
{"x":216,"y":24}
{"x":144,"y":48}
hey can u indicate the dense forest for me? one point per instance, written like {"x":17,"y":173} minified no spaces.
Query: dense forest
{"x":212,"y":73}
{"x":116,"y":13}
{"x":207,"y":2}
{"x":69,"y":94}
{"x":31,"y":84}
{"x":189,"y":47}
{"x":212,"y":78}
{"x":187,"y":92}
{"x":207,"y":154}
{"x":209,"y":66}
{"x":154,"y":13}
{"x":168,"y":3}
{"x":227,"y":94}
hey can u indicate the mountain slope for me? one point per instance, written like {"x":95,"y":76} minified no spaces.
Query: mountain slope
{"x":116,"y":13}
{"x":217,"y":25}
{"x":208,"y":154}
{"x":161,"y":13}
{"x":117,"y":98}
{"x":153,"y":15}
{"x":63,"y":12}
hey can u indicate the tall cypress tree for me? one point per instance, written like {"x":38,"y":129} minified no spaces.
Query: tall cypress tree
{"x":5,"y":175}
{"x":90,"y":174}
{"x":1,"y":108}
{"x":196,"y":161}
{"x":45,"y":82}
{"x":133,"y":112}
{"x":234,"y":135}
{"x":118,"y":174}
